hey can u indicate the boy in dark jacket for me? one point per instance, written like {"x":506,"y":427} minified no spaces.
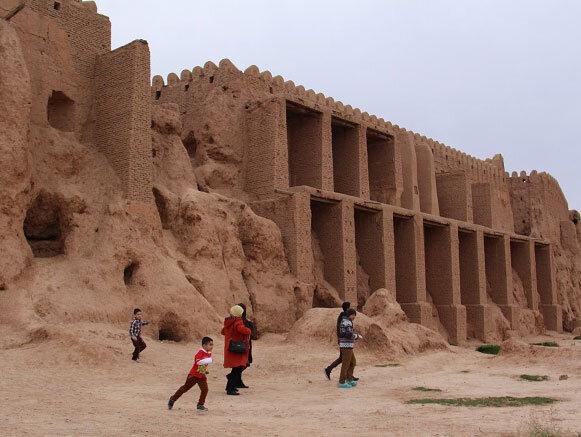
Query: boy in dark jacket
{"x":135,"y":333}
{"x":345,"y":306}
{"x":347,"y":337}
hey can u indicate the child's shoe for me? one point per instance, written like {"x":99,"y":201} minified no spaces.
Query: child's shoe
{"x":201,"y":408}
{"x":170,"y":404}
{"x":344,"y":385}
{"x":352,"y":383}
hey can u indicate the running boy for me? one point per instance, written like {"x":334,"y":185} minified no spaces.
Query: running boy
{"x":135,"y":333}
{"x":197,"y":375}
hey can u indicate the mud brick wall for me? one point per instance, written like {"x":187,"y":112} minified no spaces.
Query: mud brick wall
{"x":426,"y":179}
{"x":292,"y":214}
{"x":537,"y":198}
{"x":123,"y":116}
{"x":63,"y":39}
{"x":266,"y":155}
{"x":454,"y":196}
{"x":383,"y":169}
{"x":345,"y":139}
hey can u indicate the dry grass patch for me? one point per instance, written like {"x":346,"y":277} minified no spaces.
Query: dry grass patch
{"x":535,"y":378}
{"x":492,"y":401}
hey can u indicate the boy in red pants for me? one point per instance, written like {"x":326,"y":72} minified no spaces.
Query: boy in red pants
{"x":197,"y":375}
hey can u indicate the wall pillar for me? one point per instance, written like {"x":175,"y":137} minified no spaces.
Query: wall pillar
{"x":410,"y":197}
{"x":499,"y":274}
{"x":522,"y":261}
{"x":443,"y":278}
{"x":550,"y":310}
{"x":410,"y":271}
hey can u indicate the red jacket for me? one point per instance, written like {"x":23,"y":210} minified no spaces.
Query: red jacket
{"x":201,"y":361}
{"x":235,"y":330}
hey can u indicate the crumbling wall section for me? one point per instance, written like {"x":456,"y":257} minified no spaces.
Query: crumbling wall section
{"x":123,"y":117}
{"x":62,"y":39}
{"x":538,"y":204}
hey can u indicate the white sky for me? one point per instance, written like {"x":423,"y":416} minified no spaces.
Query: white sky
{"x":485,"y":77}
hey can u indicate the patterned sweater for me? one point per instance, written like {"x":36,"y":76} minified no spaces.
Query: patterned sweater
{"x":347,"y":335}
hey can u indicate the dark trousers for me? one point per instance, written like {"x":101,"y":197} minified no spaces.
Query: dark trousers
{"x":335,"y":363}
{"x":139,"y":346}
{"x":190,"y":382}
{"x":240,"y":383}
{"x":234,"y":378}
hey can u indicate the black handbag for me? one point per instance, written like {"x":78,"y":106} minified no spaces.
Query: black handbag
{"x":237,"y":347}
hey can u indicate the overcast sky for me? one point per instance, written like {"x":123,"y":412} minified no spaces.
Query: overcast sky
{"x":484,"y":77}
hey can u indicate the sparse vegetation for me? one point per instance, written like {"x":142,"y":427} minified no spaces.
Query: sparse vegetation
{"x":498,"y":401}
{"x":492,"y":349}
{"x":388,"y":365}
{"x":422,"y":388}
{"x":546,"y":344}
{"x":526,"y":377}
{"x":541,"y":430}
{"x":577,"y":338}
{"x":464,"y":371}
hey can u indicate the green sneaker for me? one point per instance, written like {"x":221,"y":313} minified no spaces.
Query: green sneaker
{"x":344,"y":385}
{"x":352,"y":383}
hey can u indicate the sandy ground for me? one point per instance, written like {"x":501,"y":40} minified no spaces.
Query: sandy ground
{"x":50,"y":389}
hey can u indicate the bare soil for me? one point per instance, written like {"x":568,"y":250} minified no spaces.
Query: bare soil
{"x":88,"y":385}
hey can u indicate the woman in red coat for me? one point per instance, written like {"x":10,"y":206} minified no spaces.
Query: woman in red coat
{"x":235,"y":333}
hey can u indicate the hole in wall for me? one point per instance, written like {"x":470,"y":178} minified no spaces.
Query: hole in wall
{"x":129,"y":272}
{"x":43,"y":227}
{"x":157,"y":95}
{"x":57,"y":6}
{"x":172,"y":328}
{"x":186,"y":86}
{"x":191,"y":144}
{"x":162,"y":209}
{"x":211,"y":79}
{"x":60,"y":111}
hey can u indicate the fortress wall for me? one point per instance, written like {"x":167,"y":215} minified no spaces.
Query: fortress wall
{"x":267,"y":153}
{"x":523,"y":263}
{"x":477,"y":255}
{"x":350,"y":127}
{"x":442,"y":270}
{"x":89,"y":32}
{"x":123,"y":116}
{"x":261,"y":86}
{"x":546,"y":284}
{"x":63,"y":39}
{"x":292,"y":214}
{"x":426,"y":178}
{"x":538,"y":204}
{"x":454,"y":196}
{"x":473,"y":282}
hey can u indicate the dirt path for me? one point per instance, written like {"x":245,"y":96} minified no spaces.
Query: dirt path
{"x":44,"y":394}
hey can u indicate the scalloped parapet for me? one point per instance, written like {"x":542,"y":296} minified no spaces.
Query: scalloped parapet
{"x":489,"y":170}
{"x":538,"y":179}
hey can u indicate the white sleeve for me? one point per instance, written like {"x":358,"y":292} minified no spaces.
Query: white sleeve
{"x":205,"y":361}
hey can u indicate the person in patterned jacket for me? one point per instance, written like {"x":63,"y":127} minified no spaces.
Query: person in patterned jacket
{"x":135,"y":333}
